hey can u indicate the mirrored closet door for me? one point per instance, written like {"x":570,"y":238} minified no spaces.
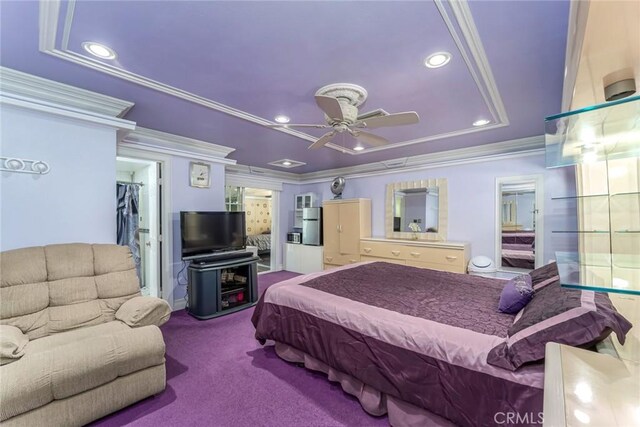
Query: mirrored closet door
{"x":518,"y":210}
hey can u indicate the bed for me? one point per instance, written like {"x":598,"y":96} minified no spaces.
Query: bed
{"x":518,"y":249}
{"x":261,"y":241}
{"x":411,"y":343}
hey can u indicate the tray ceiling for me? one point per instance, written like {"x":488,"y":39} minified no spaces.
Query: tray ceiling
{"x":220,"y":71}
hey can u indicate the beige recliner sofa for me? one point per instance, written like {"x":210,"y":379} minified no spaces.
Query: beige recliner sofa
{"x":77,"y":341}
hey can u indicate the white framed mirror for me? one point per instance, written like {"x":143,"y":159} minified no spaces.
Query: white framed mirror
{"x":417,"y":210}
{"x":519,"y":227}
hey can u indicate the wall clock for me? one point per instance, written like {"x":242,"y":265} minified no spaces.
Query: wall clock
{"x":200,"y":175}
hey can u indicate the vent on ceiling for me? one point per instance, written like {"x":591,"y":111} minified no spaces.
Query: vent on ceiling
{"x":287,"y":163}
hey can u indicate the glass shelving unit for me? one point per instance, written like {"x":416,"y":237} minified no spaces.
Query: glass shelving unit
{"x":601,"y":223}
{"x":599,"y":272}
{"x":600,"y":132}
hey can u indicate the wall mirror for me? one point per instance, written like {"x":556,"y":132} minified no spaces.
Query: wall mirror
{"x":417,"y":210}
{"x":519,"y":229}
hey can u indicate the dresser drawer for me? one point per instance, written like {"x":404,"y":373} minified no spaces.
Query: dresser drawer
{"x":383,"y":250}
{"x":436,"y":255}
{"x":389,"y":260}
{"x":340,"y":259}
{"x":453,"y":268}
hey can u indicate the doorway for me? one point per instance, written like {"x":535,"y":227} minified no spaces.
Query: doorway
{"x":258,"y":205}
{"x":519,"y":244}
{"x":138,"y":214}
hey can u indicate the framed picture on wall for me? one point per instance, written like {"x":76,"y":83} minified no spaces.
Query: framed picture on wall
{"x":200,"y":174}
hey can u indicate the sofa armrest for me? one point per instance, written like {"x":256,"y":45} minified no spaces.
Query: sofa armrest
{"x":12,"y":344}
{"x":143,"y":311}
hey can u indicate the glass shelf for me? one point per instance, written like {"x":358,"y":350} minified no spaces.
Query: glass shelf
{"x":581,"y":231}
{"x":600,"y":132}
{"x":599,"y":272}
{"x":631,"y":193}
{"x":579,"y":197}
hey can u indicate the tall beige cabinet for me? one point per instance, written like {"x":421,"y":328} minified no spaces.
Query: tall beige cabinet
{"x":344,"y":223}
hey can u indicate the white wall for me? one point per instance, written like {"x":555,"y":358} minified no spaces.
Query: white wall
{"x":187,"y":198}
{"x":472,"y":198}
{"x":75,"y":201}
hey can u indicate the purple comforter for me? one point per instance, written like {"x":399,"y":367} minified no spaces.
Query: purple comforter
{"x":420,"y":335}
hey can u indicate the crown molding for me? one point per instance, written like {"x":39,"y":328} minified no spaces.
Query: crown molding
{"x":175,"y":145}
{"x":468,"y":43}
{"x":464,"y":18}
{"x":481,"y":153}
{"x":523,"y":147}
{"x":29,"y":86}
{"x":578,"y":15}
{"x":261,"y":174}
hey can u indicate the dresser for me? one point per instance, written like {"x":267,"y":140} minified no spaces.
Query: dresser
{"x":445,"y":256}
{"x":344,"y":223}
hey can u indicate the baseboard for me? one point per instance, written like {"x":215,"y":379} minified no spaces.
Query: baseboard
{"x":180,"y":304}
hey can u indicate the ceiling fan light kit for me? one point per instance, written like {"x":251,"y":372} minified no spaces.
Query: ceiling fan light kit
{"x":340,"y":102}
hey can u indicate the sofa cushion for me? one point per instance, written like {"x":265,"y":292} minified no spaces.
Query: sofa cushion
{"x":20,"y":266}
{"x":57,"y":340}
{"x":143,"y":311}
{"x":66,"y":317}
{"x":60,"y":366}
{"x":111,"y":258}
{"x":12,"y":344}
{"x":72,"y":291}
{"x":24,"y":299}
{"x":118,"y":284}
{"x":34,"y":325}
{"x":69,"y":260}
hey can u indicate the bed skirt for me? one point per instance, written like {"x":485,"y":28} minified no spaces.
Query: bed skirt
{"x":400,"y":413}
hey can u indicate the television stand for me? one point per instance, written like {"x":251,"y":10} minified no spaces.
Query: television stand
{"x":222,"y":286}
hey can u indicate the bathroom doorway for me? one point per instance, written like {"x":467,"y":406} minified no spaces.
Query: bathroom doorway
{"x":258,"y":207}
{"x":138,"y":211}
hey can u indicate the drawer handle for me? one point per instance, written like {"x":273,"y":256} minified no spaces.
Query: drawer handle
{"x":451,"y":257}
{"x":367,"y":250}
{"x":329,"y":258}
{"x":352,"y":260}
{"x":415,"y":254}
{"x":396,"y":253}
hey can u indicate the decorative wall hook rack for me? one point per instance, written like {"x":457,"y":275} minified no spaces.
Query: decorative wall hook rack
{"x":13,"y":164}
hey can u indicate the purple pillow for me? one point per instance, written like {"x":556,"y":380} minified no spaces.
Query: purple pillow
{"x":556,"y":314}
{"x":516,"y":294}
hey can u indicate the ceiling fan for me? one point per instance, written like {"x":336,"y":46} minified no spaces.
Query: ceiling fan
{"x":340,"y":103}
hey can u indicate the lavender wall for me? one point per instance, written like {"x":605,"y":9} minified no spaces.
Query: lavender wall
{"x":75,"y":201}
{"x":472,"y":198}
{"x":187,"y":198}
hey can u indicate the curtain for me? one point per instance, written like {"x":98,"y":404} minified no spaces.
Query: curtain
{"x":127,"y":218}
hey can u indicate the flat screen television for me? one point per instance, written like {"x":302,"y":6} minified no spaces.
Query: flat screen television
{"x":207,"y":233}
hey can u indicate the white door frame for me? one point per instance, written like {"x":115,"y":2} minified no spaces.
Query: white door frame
{"x":165,"y":220}
{"x":265,"y":183}
{"x":538,"y":181}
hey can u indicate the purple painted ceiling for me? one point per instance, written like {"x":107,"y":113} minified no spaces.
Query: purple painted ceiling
{"x":269,"y":58}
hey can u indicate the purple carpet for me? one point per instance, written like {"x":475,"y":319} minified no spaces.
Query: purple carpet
{"x":219,"y":375}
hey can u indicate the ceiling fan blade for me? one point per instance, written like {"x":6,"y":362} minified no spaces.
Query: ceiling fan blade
{"x":323,"y":140}
{"x":369,"y":138}
{"x":330,"y":106}
{"x":397,"y":119}
{"x":298,"y":126}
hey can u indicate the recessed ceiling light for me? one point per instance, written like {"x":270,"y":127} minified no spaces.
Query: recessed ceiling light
{"x":99,"y":50}
{"x":282,"y":119}
{"x":481,"y":122}
{"x":358,"y":148}
{"x":437,"y":60}
{"x":286,"y":163}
